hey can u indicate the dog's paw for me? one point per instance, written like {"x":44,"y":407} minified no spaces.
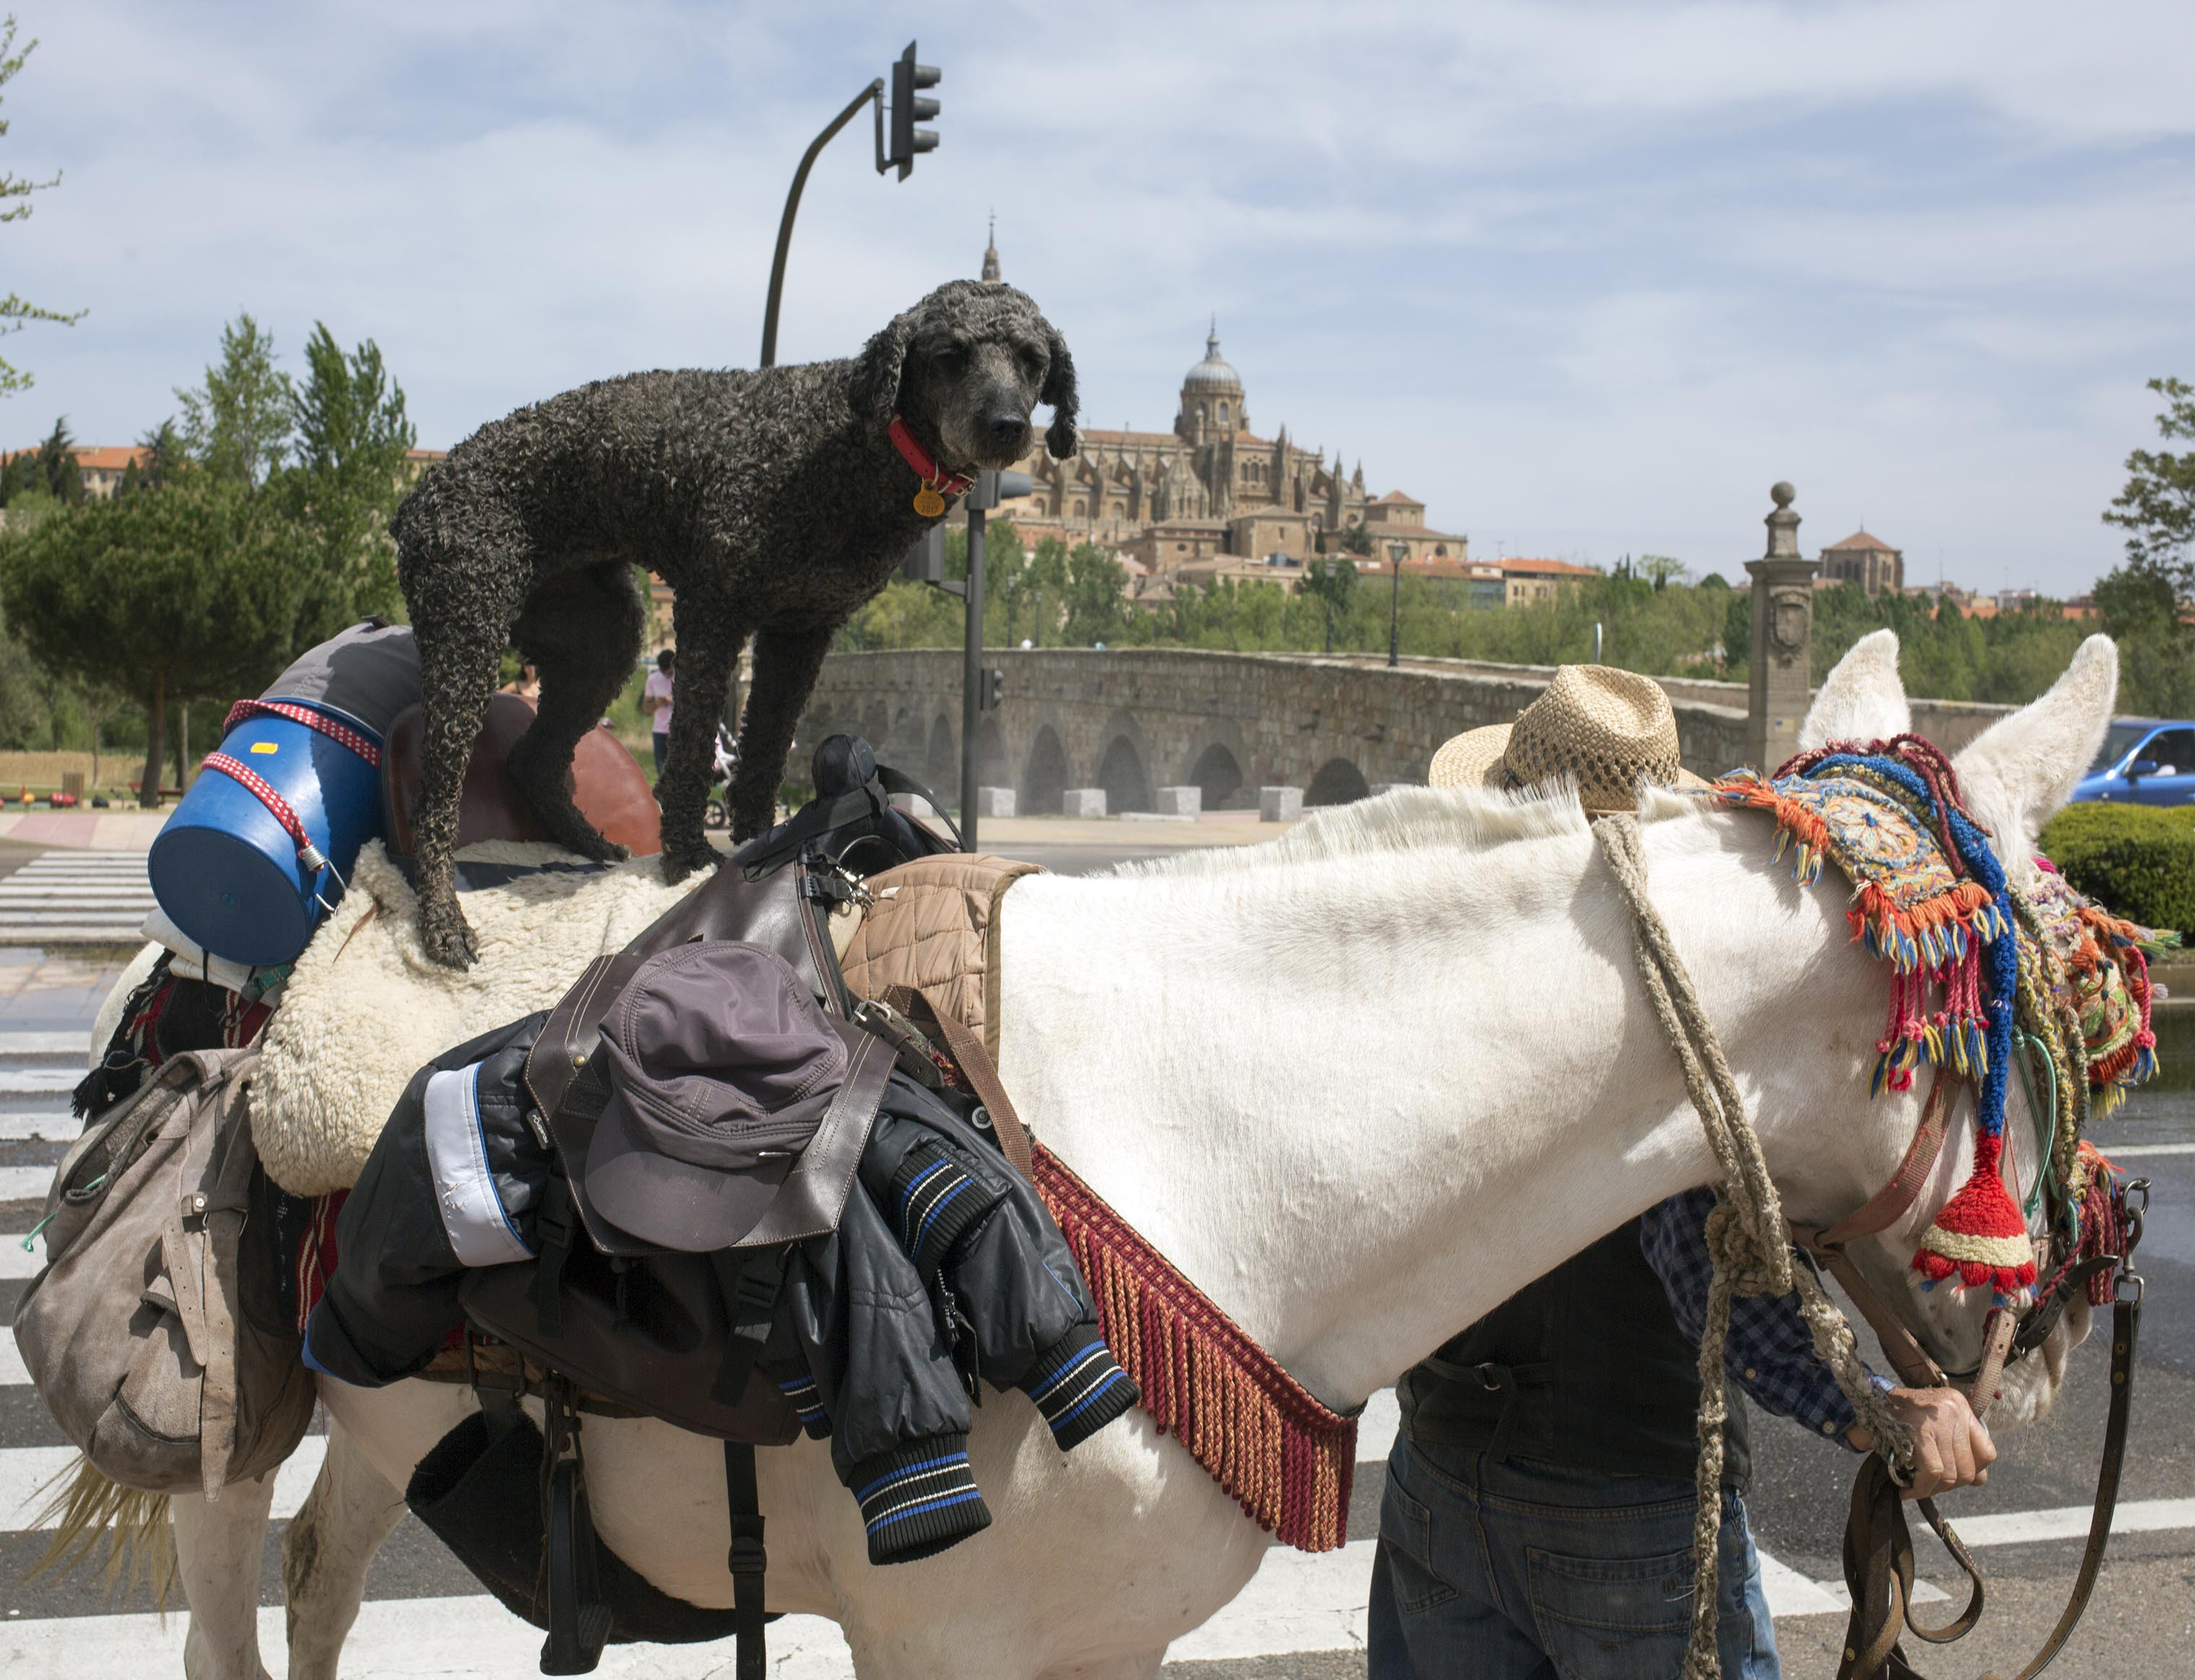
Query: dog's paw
{"x":680,"y":862}
{"x":446,"y":938}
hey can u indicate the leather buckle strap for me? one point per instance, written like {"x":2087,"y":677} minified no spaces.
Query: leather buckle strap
{"x":1876,"y":1535}
{"x":1915,"y":1368}
{"x":1895,"y":1199}
{"x":748,"y":1560}
{"x":968,"y":1053}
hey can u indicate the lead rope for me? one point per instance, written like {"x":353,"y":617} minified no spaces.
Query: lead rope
{"x":1745,"y":1237}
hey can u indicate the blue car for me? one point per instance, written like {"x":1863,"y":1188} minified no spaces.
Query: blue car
{"x":2144,"y":762}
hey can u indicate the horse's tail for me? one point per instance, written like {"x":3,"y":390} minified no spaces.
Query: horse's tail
{"x":83,"y":1506}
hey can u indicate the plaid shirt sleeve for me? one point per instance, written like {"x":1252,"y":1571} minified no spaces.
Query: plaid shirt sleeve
{"x":1771,"y":1354}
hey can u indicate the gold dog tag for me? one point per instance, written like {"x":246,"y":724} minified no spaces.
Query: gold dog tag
{"x":928,"y":502}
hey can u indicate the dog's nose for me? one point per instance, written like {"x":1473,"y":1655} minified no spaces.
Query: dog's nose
{"x":1008,"y":428}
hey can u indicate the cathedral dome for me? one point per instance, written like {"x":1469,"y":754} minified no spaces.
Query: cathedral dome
{"x":1213,"y":374}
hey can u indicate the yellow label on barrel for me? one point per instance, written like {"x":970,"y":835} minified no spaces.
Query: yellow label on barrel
{"x":928,"y":502}
{"x":265,"y":746}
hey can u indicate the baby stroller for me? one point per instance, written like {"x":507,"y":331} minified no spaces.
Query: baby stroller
{"x":717,"y":814}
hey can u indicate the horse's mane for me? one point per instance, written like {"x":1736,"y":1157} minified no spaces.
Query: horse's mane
{"x":1405,"y":819}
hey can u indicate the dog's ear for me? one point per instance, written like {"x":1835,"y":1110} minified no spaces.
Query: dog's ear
{"x":876,"y":372}
{"x":1058,"y":395}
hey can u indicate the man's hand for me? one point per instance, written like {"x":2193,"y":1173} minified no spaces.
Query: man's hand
{"x":1950,"y":1447}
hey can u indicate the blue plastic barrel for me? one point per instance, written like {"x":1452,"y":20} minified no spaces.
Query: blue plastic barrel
{"x":228,"y":874}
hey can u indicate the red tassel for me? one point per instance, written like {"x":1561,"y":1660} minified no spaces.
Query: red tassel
{"x":1978,"y":1235}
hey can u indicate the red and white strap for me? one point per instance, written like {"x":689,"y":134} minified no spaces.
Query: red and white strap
{"x":334,"y":729}
{"x":279,"y":808}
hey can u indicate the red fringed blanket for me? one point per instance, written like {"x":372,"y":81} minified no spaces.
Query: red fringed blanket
{"x":1261,"y":1434}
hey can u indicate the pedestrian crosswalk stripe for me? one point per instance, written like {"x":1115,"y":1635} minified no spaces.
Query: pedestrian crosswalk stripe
{"x":45,"y":1044}
{"x":17,"y":1261}
{"x":58,"y":1123}
{"x":39,"y":1081}
{"x":25,"y":1183}
{"x":25,"y":1471}
{"x":13,"y":1374}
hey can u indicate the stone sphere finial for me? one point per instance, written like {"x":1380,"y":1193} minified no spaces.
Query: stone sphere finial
{"x":1781,"y":493}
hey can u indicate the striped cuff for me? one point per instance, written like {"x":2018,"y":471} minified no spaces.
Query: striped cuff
{"x":1079,"y":1387}
{"x":800,"y":1390}
{"x":918,"y":1499}
{"x":934,"y":1201}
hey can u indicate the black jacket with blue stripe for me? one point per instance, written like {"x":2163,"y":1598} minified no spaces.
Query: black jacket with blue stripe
{"x":946,"y":1270}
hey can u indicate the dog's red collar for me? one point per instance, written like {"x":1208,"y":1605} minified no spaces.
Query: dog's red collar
{"x":936,"y":483}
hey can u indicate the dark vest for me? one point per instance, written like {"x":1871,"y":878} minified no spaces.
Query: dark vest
{"x":1585,"y":1368}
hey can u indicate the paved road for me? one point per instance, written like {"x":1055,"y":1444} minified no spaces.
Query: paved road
{"x":1302,"y":1619}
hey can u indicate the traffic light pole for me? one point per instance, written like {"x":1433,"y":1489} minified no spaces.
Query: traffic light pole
{"x":972,"y":673}
{"x":874,"y":94}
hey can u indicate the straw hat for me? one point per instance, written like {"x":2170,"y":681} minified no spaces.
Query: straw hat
{"x":1613,"y":730}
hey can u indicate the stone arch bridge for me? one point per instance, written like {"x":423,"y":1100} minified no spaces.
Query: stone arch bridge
{"x":1133,"y":720}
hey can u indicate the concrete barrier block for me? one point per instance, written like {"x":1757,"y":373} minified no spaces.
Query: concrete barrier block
{"x":1379,"y":788}
{"x":913,"y":805}
{"x":1180,"y":802}
{"x":994,"y":802}
{"x":1082,"y":802}
{"x":1280,"y":804}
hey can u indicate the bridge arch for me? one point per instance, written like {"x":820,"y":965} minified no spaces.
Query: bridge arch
{"x":876,"y":725}
{"x":1044,"y":774}
{"x":993,"y":768}
{"x":1127,"y":785}
{"x":1336,"y":782}
{"x":1218,"y":775}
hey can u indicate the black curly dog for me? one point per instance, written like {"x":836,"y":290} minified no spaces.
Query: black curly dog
{"x":772,"y":503}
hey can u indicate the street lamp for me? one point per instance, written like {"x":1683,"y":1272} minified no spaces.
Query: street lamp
{"x":908,"y":109}
{"x":1398,"y":552}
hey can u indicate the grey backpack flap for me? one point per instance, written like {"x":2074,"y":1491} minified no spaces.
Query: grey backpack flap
{"x":139,"y":1334}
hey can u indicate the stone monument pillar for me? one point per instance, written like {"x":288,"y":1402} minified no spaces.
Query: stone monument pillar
{"x":1781,"y":663}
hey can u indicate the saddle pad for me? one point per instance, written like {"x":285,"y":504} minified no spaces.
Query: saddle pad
{"x":934,"y":928}
{"x":364,"y":1008}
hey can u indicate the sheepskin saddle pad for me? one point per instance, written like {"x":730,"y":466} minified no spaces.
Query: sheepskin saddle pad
{"x":365,"y":1009}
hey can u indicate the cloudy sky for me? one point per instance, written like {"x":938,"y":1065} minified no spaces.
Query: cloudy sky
{"x":1584,"y":278}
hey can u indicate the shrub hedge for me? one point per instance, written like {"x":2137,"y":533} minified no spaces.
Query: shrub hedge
{"x":2136,"y":860}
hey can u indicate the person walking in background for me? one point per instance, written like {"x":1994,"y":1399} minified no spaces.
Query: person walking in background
{"x":655,"y":700}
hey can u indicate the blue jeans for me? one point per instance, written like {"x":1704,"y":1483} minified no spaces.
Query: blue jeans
{"x":661,"y":738}
{"x":1530,"y":1571}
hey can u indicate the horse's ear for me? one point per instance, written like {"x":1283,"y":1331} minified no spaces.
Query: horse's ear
{"x":875,"y":390}
{"x":1862,"y":699}
{"x":2020,"y":770}
{"x":1058,"y":395}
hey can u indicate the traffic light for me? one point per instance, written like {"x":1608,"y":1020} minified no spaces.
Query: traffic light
{"x":992,"y":488}
{"x":991,"y":690}
{"x":908,"y":108}
{"x":924,"y":562}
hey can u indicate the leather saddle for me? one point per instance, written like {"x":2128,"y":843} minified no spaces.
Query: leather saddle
{"x":675,"y":1334}
{"x":607,"y":784}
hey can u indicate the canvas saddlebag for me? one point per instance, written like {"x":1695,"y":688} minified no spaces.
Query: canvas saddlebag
{"x":154,"y":1334}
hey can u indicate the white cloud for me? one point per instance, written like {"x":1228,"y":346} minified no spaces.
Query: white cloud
{"x":1581,"y":275}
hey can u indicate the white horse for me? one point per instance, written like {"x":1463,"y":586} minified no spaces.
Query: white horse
{"x":1361,"y":1085}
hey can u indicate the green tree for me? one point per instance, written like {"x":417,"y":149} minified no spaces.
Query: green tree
{"x":1096,"y":596}
{"x":1045,"y":581}
{"x":1357,"y":540}
{"x":2156,"y":508}
{"x":1330,"y":583}
{"x":17,"y":313}
{"x":237,"y":423}
{"x":1662,"y":570}
{"x":162,"y":456}
{"x":58,"y":465}
{"x":187,"y":593}
{"x":352,"y":438}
